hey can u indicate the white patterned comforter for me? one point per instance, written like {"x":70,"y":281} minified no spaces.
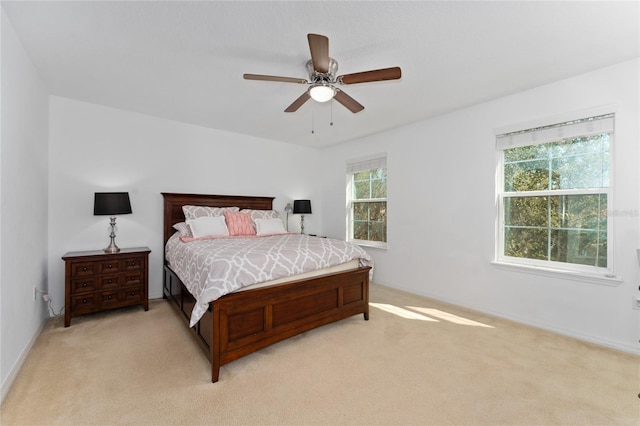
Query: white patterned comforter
{"x":214,"y":267}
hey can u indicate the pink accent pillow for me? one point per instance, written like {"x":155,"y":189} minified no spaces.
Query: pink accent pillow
{"x":239,"y":223}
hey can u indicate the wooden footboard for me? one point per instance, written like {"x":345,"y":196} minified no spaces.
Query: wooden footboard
{"x":241,"y":323}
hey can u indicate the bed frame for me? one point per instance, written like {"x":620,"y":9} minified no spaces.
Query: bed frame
{"x":240,"y":323}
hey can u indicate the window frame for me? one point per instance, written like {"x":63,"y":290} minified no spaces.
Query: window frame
{"x":548,"y":267}
{"x":352,"y":169}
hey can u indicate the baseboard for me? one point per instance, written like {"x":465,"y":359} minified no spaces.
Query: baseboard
{"x":13,"y":373}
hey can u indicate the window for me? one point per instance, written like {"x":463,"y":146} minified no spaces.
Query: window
{"x":554,"y":192}
{"x":367,"y":202}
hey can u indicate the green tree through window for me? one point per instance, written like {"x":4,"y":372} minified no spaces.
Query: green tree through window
{"x":554,"y":201}
{"x":367,"y":201}
{"x":370,"y":205}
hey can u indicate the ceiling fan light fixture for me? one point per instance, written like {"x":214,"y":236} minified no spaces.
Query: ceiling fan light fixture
{"x":322,"y":92}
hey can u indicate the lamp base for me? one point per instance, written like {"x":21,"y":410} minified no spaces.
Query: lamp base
{"x":113,"y":248}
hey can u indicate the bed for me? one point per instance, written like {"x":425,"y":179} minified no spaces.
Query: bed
{"x":243,"y":322}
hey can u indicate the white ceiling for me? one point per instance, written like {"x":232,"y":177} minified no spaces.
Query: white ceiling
{"x":184,"y":60}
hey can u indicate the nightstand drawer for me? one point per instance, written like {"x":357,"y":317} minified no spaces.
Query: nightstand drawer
{"x":133,"y":264}
{"x":84,"y":269}
{"x":84,"y":285}
{"x":110,"y":299}
{"x":110,"y":282}
{"x":133,"y":295}
{"x":133,"y":278}
{"x":108,"y":267}
{"x":116,"y":298}
{"x":84,"y":303}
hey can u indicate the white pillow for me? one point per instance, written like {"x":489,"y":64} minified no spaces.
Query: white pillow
{"x":208,"y":226}
{"x":269,"y":226}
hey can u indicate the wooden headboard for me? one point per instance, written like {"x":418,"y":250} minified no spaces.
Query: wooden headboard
{"x":173,"y":206}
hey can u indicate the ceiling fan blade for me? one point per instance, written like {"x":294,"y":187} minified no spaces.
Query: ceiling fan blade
{"x":274,"y":78}
{"x":346,"y":100}
{"x":319,"y":47}
{"x":393,"y":73}
{"x":298,"y":102}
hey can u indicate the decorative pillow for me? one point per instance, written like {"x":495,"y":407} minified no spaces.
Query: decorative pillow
{"x":269,"y":226}
{"x":239,"y":223}
{"x":183,"y":229}
{"x":261,"y":214}
{"x":208,"y":227}
{"x":194,"y":212}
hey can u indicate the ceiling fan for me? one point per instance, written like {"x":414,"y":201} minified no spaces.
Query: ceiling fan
{"x":322,"y":80}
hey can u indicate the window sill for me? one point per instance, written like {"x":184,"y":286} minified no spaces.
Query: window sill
{"x":556,"y":273}
{"x":370,"y":244}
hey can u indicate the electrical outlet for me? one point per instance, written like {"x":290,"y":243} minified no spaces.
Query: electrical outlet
{"x":635,"y":302}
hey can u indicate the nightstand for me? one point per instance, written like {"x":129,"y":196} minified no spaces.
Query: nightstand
{"x":96,"y":281}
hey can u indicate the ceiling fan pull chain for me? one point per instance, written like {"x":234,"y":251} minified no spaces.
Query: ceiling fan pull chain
{"x":312,"y":126}
{"x":331,"y":122}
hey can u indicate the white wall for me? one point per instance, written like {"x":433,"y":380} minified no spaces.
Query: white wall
{"x":23,"y":204}
{"x":95,"y":148}
{"x":441,"y":202}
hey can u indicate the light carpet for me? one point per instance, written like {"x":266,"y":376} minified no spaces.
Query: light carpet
{"x":415,"y":362}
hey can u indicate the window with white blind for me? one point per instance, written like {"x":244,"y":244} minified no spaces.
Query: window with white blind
{"x":553,"y":195}
{"x":367,"y":201}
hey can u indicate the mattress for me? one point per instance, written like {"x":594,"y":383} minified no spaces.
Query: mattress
{"x":352,"y":264}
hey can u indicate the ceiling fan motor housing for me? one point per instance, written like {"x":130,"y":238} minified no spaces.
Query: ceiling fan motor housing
{"x":318,"y":77}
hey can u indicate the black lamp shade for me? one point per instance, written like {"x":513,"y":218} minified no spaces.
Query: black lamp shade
{"x":111,"y":203}
{"x":302,"y":207}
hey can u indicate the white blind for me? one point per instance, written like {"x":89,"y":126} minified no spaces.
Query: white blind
{"x":356,"y":166}
{"x":583,"y":127}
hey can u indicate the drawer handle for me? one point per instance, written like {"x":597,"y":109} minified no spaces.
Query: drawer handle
{"x":133,"y":278}
{"x":110,"y":297}
{"x":109,"y":266}
{"x":133,"y":263}
{"x":109,"y":282}
{"x":84,"y":284}
{"x":84,"y":300}
{"x":84,"y":269}
{"x":133,"y":293}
